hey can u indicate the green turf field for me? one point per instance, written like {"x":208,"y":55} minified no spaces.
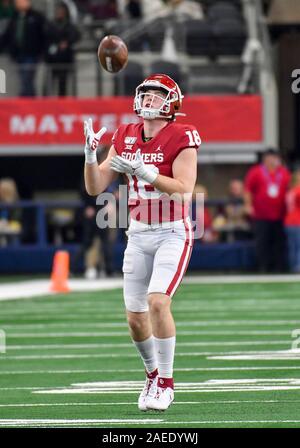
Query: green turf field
{"x":70,"y":362}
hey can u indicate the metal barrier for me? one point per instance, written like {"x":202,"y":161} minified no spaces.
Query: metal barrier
{"x":41,"y":208}
{"x":37,"y":257}
{"x":40,"y":214}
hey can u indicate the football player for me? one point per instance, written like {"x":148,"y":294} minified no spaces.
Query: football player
{"x":159,"y":159}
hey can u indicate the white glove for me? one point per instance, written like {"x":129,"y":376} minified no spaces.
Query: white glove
{"x":135,"y":167}
{"x":92,"y":141}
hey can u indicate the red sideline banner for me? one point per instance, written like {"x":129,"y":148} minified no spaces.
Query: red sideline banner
{"x":219,"y":119}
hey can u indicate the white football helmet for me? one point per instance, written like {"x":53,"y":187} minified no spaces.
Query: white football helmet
{"x":171,"y":103}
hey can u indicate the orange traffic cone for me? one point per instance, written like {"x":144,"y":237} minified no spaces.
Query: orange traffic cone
{"x":60,"y":272}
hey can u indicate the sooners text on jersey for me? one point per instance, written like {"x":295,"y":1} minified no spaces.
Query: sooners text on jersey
{"x":147,"y":203}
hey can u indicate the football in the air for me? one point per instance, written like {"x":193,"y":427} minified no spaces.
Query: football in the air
{"x":112,"y":53}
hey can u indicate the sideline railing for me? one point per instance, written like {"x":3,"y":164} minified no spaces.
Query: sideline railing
{"x":40,"y":222}
{"x":41,"y":208}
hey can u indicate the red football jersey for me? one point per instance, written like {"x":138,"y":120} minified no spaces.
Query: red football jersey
{"x":147,"y":203}
{"x":257,"y":182}
{"x":292,"y":217}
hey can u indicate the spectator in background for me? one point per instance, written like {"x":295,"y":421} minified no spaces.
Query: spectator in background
{"x":266,"y":186}
{"x":98,"y":260}
{"x":186,"y":9}
{"x":24,"y":38}
{"x":72,"y":9}
{"x":209,"y":234}
{"x":134,"y":9}
{"x":235,"y":212}
{"x":8,"y":194}
{"x":6,"y":13}
{"x":292,"y":223}
{"x":10,"y":217}
{"x":154,"y":8}
{"x":61,"y":37}
{"x":6,"y":9}
{"x":103,"y":9}
{"x":285,"y":12}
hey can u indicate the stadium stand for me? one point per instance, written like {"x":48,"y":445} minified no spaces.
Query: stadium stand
{"x":223,"y":32}
{"x":220,"y":55}
{"x":127,"y":81}
{"x":199,"y":38}
{"x":169,"y":68}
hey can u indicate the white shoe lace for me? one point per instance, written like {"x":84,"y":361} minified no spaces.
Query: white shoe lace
{"x":148,"y":393}
{"x":150,"y":387}
{"x":162,"y":399}
{"x":163,"y":394}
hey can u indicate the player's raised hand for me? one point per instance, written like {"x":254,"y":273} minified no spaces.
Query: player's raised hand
{"x":92,"y":141}
{"x":134,"y":168}
{"x":142,"y":170}
{"x":121,"y":165}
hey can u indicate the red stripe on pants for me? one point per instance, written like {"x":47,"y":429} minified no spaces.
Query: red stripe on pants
{"x":180,"y":271}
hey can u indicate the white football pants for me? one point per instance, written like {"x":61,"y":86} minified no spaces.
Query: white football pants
{"x":155,"y":260}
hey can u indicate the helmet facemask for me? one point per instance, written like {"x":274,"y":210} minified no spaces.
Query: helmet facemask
{"x":144,"y":107}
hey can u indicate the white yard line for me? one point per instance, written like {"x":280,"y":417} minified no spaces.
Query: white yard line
{"x":77,"y":334}
{"x":186,"y":391}
{"x":65,"y":356}
{"x":25,"y":315}
{"x":291,"y":356}
{"x":108,"y":315}
{"x":253,"y":278}
{"x":96,"y":422}
{"x":188,"y":323}
{"x":184,"y":369}
{"x":137,"y":389}
{"x":262,"y":355}
{"x":126,"y":333}
{"x":134,"y":403}
{"x":40,"y":314}
{"x":66,"y":325}
{"x":215,"y":385}
{"x":35,"y":288}
{"x":130,"y":345}
{"x":240,"y":322}
{"x":220,"y":422}
{"x":209,"y":386}
{"x":48,"y":421}
{"x":228,"y":304}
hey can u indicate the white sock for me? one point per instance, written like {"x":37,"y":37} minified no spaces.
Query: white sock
{"x":165,"y":350}
{"x":147,"y":351}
